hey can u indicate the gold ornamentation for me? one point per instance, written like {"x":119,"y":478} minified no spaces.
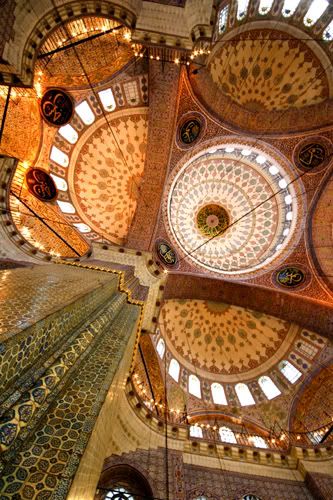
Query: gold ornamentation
{"x":212,"y":220}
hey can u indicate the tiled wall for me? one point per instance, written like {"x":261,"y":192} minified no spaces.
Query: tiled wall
{"x":187,"y":482}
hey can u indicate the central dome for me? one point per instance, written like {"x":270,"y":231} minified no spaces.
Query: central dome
{"x":212,"y":220}
{"x":231,"y":209}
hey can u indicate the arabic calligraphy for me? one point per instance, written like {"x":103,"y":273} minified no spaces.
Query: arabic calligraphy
{"x":311,"y":156}
{"x":290,"y":277}
{"x":57,"y":107}
{"x":41,"y":185}
{"x":190,"y":131}
{"x":166,"y":253}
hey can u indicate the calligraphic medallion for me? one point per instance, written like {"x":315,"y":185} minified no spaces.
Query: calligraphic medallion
{"x":190,"y":131}
{"x":57,"y":107}
{"x":212,"y":220}
{"x":313,"y":154}
{"x":41,"y":185}
{"x":166,"y":253}
{"x":290,"y":277}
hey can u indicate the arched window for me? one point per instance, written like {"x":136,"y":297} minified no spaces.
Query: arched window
{"x":85,"y":113}
{"x":194,"y":386}
{"x":268,"y":387}
{"x":160,"y":348}
{"x":59,"y":157}
{"x":195,"y":431}
{"x":289,"y":371}
{"x":223,"y":19}
{"x":59,"y":182}
{"x":242,"y":8}
{"x":107,"y":99}
{"x":244,"y":395}
{"x":258,"y":442}
{"x":307,"y":349}
{"x":119,"y":494}
{"x":265,"y":6}
{"x":227,"y":435}
{"x":328,"y":32}
{"x":316,"y":10}
{"x":315,"y":436}
{"x":289,"y":7}
{"x":83,"y":228}
{"x":69,"y":133}
{"x":218,"y":394}
{"x":174,"y":369}
{"x":66,"y":207}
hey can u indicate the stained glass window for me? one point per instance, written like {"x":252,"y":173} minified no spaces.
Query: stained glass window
{"x":59,"y":182}
{"x":59,"y":157}
{"x":265,"y":6}
{"x":195,"y":431}
{"x":223,"y":19}
{"x":289,"y":371}
{"x":119,"y":494}
{"x":218,"y":394}
{"x":289,"y":7}
{"x":328,"y":32}
{"x":161,"y":348}
{"x":194,"y":386}
{"x":242,"y":8}
{"x":107,"y":99}
{"x":66,"y":207}
{"x":244,"y":395}
{"x":268,"y":387}
{"x":69,"y":133}
{"x":174,"y":369}
{"x":258,"y":442}
{"x":85,"y":113}
{"x":83,"y":228}
{"x":315,"y":436}
{"x":316,"y":10}
{"x":309,"y":350}
{"x":227,"y":435}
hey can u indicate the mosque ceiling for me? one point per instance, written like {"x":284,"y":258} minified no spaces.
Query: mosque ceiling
{"x":267,"y":70}
{"x":221,"y":339}
{"x":210,"y":161}
{"x":313,"y":407}
{"x":105,"y":178}
{"x":23,"y":121}
{"x":89,"y":49}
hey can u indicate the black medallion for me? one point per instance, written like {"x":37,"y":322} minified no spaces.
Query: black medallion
{"x":41,"y":185}
{"x":290,"y":277}
{"x":166,"y":253}
{"x":311,"y":156}
{"x":57,"y":107}
{"x":190,"y":131}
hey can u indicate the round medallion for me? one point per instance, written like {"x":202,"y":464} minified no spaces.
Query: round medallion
{"x":41,"y":185}
{"x":57,"y":107}
{"x":190,"y":130}
{"x":212,"y":220}
{"x":290,"y":277}
{"x":313,"y":154}
{"x":166,"y":253}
